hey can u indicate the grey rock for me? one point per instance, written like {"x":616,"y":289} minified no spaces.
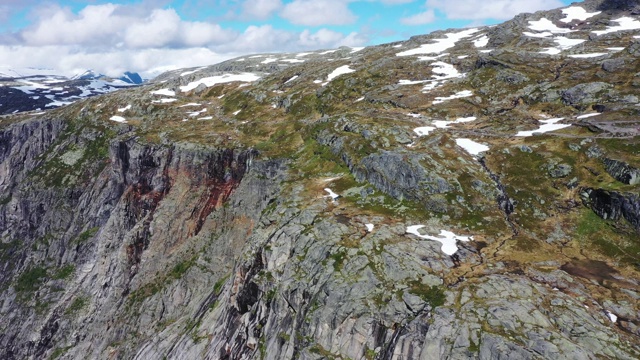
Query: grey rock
{"x":613,"y":205}
{"x":525,"y":149}
{"x":559,"y":170}
{"x":622,"y":171}
{"x":612,"y":65}
{"x":584,"y":94}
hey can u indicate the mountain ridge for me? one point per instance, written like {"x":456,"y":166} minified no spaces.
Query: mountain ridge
{"x":42,"y":89}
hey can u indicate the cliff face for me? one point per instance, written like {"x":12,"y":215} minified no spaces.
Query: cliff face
{"x":462,"y":204}
{"x":89,"y":250}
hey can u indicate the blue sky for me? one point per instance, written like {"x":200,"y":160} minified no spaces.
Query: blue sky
{"x":150,"y":36}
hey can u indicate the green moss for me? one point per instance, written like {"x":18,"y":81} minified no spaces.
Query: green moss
{"x":432,"y":295}
{"x":338,"y":259}
{"x":138,"y":296}
{"x":181,"y":268}
{"x":64,"y":272}
{"x":303,"y":106}
{"x":86,"y":235}
{"x":59,"y":352}
{"x":217,"y":287}
{"x":78,"y":304}
{"x":94,"y":142}
{"x":31,"y":280}
{"x":42,"y":307}
{"x":473,"y":347}
{"x":6,"y":200}
{"x":618,"y":240}
{"x":7,"y":249}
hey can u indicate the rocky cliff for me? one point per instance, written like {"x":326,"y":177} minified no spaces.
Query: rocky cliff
{"x":464,"y":194}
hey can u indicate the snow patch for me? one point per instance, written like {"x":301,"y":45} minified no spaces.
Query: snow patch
{"x":538,"y":35}
{"x":551,"y":51}
{"x":544,"y":25}
{"x":196,"y":113}
{"x":577,"y":13}
{"x":332,"y":195}
{"x":290,"y":80}
{"x":119,"y":119}
{"x":471,"y":146}
{"x":439,"y":45}
{"x":447,"y":238}
{"x":584,"y":56}
{"x":164,"y":101}
{"x":236,"y":112}
{"x":344,"y":69}
{"x":444,"y":124}
{"x":548,"y":125}
{"x":189,"y":104}
{"x":164,"y":92}
{"x":482,"y":42}
{"x":566,"y":43}
{"x":412,"y":82}
{"x":369,"y":227}
{"x":124,"y":108}
{"x":587,"y":115}
{"x":458,"y":95}
{"x":424,"y":130}
{"x":292,"y":61}
{"x":444,"y":71}
{"x":220,"y":79}
{"x":624,"y":23}
{"x":613,"y":317}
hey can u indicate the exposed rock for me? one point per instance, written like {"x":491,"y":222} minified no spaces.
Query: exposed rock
{"x":613,"y":205}
{"x":559,"y":170}
{"x":584,"y":94}
{"x":622,"y":172}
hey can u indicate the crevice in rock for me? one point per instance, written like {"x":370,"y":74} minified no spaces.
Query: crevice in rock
{"x":504,"y":201}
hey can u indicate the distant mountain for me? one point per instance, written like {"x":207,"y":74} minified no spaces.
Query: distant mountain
{"x":31,"y":89}
{"x":132,"y":78}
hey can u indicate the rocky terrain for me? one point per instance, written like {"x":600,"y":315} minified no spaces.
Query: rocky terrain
{"x":471,"y":193}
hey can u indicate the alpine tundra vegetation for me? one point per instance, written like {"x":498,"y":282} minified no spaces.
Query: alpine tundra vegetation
{"x":470,"y":193}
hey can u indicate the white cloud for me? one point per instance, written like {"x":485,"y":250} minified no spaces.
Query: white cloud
{"x":420,"y":19}
{"x":60,"y":26}
{"x":104,"y":25}
{"x":158,"y":30}
{"x":318,"y":12}
{"x":259,"y":39}
{"x":495,"y":9}
{"x":71,"y":60}
{"x":321,"y":38}
{"x":260,"y":9}
{"x":111,"y":39}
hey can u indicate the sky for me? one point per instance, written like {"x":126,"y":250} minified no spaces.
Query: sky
{"x":152,"y":36}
